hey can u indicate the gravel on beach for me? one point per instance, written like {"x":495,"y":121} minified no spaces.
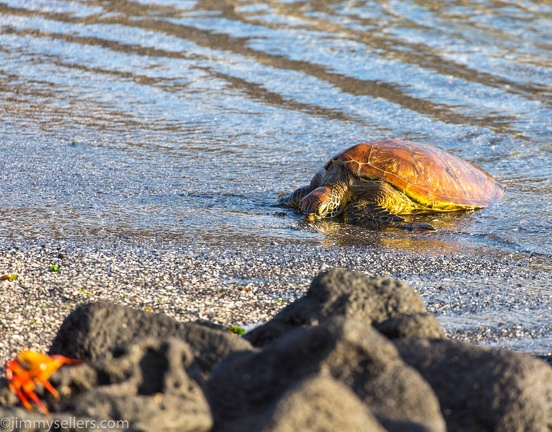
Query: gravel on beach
{"x":477,"y":299}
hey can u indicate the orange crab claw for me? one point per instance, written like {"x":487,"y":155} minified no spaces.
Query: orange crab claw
{"x":30,"y":368}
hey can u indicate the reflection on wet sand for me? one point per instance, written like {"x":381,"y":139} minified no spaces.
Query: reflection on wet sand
{"x":338,"y":233}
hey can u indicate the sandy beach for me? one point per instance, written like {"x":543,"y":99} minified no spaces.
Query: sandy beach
{"x":480,"y":300}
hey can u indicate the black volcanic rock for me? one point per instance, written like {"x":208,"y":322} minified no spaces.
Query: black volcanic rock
{"x":355,"y":353}
{"x":388,"y":304}
{"x":246,"y":385}
{"x":483,"y":389}
{"x":96,"y":328}
{"x":319,"y":403}
{"x":149,"y":383}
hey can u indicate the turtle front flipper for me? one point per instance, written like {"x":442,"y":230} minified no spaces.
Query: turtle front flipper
{"x":294,"y":198}
{"x":374,"y":216}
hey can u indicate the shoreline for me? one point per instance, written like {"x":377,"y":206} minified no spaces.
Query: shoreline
{"x":477,"y":299}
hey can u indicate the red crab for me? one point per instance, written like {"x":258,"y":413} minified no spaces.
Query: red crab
{"x":30,"y":368}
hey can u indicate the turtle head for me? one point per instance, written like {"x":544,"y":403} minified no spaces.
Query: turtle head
{"x":321,"y":203}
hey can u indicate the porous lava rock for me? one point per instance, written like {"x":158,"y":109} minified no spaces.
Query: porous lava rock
{"x":483,"y":389}
{"x":96,"y":328}
{"x":388,"y":304}
{"x":320,"y":403}
{"x":153,"y":384}
{"x":246,"y":385}
{"x":147,"y":384}
{"x":355,"y":353}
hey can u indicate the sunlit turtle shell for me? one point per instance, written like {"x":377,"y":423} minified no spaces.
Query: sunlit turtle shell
{"x":431,"y":177}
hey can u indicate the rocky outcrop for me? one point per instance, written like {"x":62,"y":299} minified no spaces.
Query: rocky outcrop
{"x":483,"y":389}
{"x":319,"y":403}
{"x":355,"y":353}
{"x":153,"y":384}
{"x":245,"y":386}
{"x":97,"y":328}
{"x":389,"y":305}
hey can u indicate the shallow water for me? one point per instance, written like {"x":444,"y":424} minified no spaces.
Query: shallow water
{"x":184,"y":120}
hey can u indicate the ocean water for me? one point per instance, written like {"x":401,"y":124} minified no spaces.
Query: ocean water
{"x":184,"y":121}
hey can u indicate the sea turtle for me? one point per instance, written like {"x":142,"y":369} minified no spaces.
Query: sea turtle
{"x":372,"y":184}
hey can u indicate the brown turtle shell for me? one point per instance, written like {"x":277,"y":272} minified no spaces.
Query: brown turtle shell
{"x":428,"y":175}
